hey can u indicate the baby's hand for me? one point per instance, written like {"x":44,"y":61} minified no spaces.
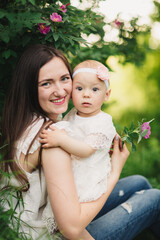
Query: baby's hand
{"x":51,"y":138}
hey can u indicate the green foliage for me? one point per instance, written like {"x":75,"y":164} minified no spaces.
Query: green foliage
{"x":129,"y":48}
{"x":9,"y":221}
{"x":19,"y":28}
{"x":19,"y":21}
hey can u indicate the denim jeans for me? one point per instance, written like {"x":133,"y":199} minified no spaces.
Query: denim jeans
{"x":132,"y":207}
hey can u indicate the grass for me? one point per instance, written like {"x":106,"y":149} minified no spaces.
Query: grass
{"x":145,"y":235}
{"x":9,"y":222}
{"x":145,"y":162}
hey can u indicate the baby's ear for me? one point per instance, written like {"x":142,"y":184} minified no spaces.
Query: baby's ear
{"x":108,"y":92}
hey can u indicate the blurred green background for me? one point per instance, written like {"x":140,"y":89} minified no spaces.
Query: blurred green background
{"x":135,"y":96}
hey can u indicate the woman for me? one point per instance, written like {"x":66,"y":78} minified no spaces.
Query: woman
{"x":39,"y":93}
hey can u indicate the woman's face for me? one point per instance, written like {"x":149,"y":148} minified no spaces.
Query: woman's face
{"x":54,"y":87}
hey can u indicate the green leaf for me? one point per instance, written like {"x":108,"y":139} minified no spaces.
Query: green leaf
{"x":5,"y":37}
{"x":144,"y":133}
{"x":11,"y":17}
{"x":132,"y":126}
{"x":2,"y":13}
{"x":71,"y":41}
{"x":125,"y":130}
{"x":57,"y":44}
{"x":55,"y":36}
{"x":133,"y":135}
{"x":133,"y":147}
{"x":25,"y":40}
{"x":7,"y":54}
{"x":139,"y":138}
{"x":78,"y":39}
{"x":129,"y":140}
{"x":124,"y":138}
{"x":151,"y":120}
{"x":33,"y":2}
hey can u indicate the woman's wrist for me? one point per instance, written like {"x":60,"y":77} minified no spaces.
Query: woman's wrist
{"x":113,"y":177}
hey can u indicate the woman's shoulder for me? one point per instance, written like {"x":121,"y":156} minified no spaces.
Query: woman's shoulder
{"x":29,"y":135}
{"x":32,"y":129}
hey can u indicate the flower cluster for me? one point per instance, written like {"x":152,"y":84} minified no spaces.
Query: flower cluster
{"x":43,"y":28}
{"x":117,"y":24}
{"x":63,"y":7}
{"x":54,"y":17}
{"x":143,"y":130}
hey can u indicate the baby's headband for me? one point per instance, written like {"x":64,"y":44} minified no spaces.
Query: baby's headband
{"x":102,"y":73}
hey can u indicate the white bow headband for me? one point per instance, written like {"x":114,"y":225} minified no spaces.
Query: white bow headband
{"x":102,"y":73}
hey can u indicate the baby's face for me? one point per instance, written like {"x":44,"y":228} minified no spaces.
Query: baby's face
{"x":88,"y":93}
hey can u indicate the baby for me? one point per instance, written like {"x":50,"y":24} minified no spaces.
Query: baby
{"x":89,"y":131}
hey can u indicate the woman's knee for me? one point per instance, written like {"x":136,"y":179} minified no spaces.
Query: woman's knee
{"x":142,"y":182}
{"x":155,"y":195}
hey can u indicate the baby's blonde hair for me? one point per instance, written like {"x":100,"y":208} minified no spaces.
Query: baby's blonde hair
{"x":88,"y":64}
{"x":93,"y":64}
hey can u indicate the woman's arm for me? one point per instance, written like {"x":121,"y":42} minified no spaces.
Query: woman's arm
{"x":59,"y":138}
{"x":84,"y":236}
{"x":72,"y":217}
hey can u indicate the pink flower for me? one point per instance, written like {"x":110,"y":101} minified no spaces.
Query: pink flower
{"x":63,"y":8}
{"x":55,"y":17}
{"x":117,"y":24}
{"x":103,"y":73}
{"x":145,"y":126}
{"x":43,"y":29}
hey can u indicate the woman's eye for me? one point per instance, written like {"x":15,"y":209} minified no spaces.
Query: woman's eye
{"x":79,"y":88}
{"x":65,"y":78}
{"x":46,"y":84}
{"x":95,"y":89}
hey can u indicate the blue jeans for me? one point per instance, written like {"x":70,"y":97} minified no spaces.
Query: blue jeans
{"x":128,"y":211}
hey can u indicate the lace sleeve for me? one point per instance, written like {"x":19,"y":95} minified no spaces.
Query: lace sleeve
{"x":101,"y":133}
{"x":97,"y":140}
{"x":24,"y":142}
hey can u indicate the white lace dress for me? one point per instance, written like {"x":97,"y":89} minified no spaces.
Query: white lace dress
{"x":35,"y":199}
{"x":90,"y":174}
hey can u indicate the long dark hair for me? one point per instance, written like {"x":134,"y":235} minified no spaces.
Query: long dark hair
{"x":22,"y":103}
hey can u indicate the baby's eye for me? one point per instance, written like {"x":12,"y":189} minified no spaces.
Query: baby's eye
{"x":95,"y":89}
{"x":79,"y":88}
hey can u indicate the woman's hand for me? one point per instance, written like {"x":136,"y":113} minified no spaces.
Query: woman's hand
{"x":118,"y":156}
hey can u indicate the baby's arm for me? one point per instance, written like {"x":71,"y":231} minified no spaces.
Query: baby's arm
{"x":59,"y":138}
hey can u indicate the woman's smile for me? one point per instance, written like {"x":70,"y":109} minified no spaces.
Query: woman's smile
{"x":59,"y":101}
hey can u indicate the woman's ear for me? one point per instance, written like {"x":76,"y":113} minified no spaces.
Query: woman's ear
{"x":108,"y":92}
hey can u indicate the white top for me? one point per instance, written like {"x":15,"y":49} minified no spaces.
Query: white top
{"x":35,"y":199}
{"x":91,"y":173}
